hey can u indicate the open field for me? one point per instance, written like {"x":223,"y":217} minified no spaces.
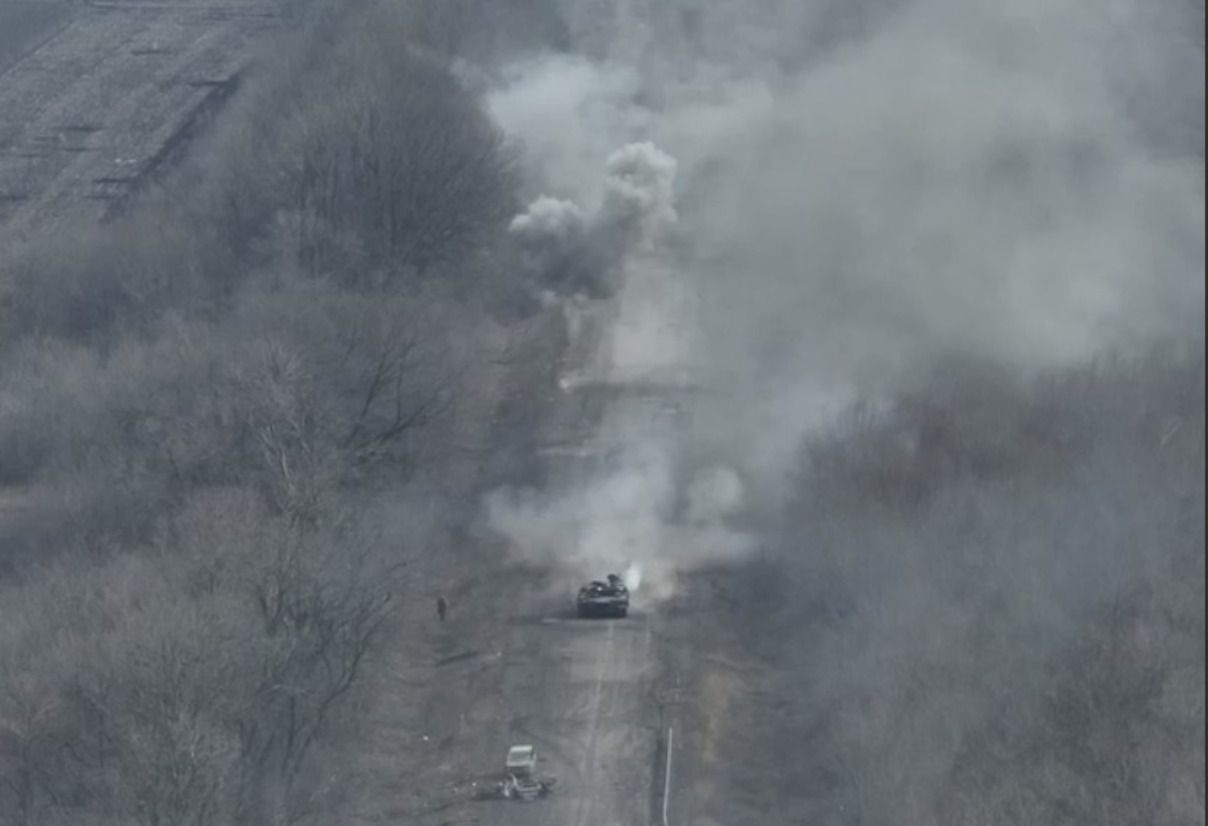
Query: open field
{"x":896,"y":557}
{"x":95,"y":98}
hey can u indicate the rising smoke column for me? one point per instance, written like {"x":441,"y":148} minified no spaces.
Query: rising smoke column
{"x":871,"y":187}
{"x":630,"y":516}
{"x":551,"y":235}
{"x":638,"y":216}
{"x":562,"y":247}
{"x":639,"y":195}
{"x":627,"y":519}
{"x":868,"y":187}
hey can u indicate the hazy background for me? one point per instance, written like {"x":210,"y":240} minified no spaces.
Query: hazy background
{"x":941,"y":268}
{"x":917,"y":292}
{"x":864,"y":192}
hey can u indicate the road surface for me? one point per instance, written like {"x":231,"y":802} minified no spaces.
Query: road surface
{"x":588,"y":694}
{"x":579,"y":692}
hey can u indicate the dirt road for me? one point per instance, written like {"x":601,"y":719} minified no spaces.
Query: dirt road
{"x":583,"y":692}
{"x":579,"y":692}
{"x":524,"y":670}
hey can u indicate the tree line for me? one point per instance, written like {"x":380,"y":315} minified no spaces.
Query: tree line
{"x":197,"y":399}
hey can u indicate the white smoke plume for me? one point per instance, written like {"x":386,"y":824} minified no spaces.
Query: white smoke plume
{"x":630,"y":516}
{"x":551,"y":235}
{"x":841,"y":197}
{"x":567,"y":116}
{"x":622,"y":242}
{"x":714,"y":494}
{"x":549,"y":221}
{"x":639,"y":191}
{"x":654,"y":300}
{"x":624,"y":520}
{"x":635,"y":215}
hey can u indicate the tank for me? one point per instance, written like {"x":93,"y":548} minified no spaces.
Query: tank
{"x":609,"y":598}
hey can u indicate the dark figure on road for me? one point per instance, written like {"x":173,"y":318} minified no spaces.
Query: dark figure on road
{"x":442,"y":607}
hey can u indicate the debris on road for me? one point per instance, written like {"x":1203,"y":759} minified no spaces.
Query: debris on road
{"x":520,"y":781}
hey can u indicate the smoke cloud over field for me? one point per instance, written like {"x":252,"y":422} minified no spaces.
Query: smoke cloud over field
{"x":624,"y":520}
{"x":626,"y":516}
{"x":888,"y":334}
{"x":565,"y":249}
{"x":920,"y":180}
{"x":551,"y":235}
{"x":639,"y":193}
{"x":548,"y":222}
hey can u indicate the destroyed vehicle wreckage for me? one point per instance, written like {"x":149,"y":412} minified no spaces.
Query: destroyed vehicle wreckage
{"x":604,"y":599}
{"x":520,"y":781}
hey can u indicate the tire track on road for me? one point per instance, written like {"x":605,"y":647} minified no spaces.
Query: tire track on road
{"x":589,"y":760}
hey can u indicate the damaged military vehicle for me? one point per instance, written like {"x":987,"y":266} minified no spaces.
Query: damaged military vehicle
{"x":604,"y":599}
{"x":520,"y":780}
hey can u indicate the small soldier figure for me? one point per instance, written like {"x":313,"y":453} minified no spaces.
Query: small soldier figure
{"x":442,"y":607}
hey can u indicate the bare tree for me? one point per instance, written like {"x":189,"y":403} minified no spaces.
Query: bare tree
{"x":187,"y":683}
{"x":398,"y":154}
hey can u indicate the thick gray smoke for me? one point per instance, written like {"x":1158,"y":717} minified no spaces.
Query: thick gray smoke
{"x":624,"y":519}
{"x":572,"y":254}
{"x":625,"y":516}
{"x":918,"y":180}
{"x":639,"y":193}
{"x":549,"y":222}
{"x":965,"y":590}
{"x":551,"y":234}
{"x":624,"y":241}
